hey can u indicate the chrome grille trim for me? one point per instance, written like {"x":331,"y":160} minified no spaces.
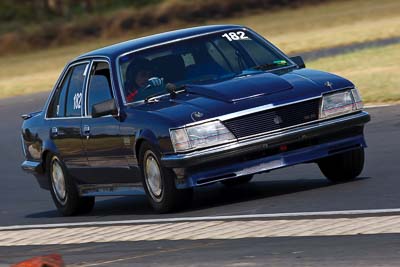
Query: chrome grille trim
{"x":275,"y":119}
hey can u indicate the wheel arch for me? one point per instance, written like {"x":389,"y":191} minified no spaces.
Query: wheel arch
{"x":145,"y":136}
{"x":48,"y":148}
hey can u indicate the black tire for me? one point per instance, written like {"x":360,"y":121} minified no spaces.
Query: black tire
{"x":343,"y":167}
{"x":72,"y":203}
{"x":169,"y":198}
{"x":238,"y":181}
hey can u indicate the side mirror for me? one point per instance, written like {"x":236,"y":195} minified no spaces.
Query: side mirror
{"x":299,"y":61}
{"x":104,"y":108}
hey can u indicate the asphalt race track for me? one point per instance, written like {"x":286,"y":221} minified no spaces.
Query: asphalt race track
{"x":298,"y":189}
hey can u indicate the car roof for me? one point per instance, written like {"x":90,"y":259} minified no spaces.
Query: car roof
{"x":115,"y":50}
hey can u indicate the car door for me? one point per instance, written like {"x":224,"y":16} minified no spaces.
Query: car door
{"x":65,"y":116}
{"x":102,"y":137}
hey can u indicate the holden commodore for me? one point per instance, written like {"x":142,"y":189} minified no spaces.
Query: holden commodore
{"x":187,"y":108}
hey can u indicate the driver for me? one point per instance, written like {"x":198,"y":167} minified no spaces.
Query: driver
{"x":140,"y":78}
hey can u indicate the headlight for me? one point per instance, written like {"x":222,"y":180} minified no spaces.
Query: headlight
{"x":340,"y":103}
{"x":357,"y":98}
{"x":202,"y":135}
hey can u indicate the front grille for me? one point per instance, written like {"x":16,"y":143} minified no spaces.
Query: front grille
{"x":274,"y":119}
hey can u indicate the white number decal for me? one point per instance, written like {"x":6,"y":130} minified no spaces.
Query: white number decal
{"x":78,"y":101}
{"x":242,"y":35}
{"x":234,"y":36}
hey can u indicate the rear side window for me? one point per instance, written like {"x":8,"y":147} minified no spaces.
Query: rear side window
{"x":67,"y":100}
{"x":99,"y":85}
{"x":57,"y":105}
{"x":75,"y":88}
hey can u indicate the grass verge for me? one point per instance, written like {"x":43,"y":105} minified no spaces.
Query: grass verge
{"x":375,"y":71}
{"x":326,"y":25}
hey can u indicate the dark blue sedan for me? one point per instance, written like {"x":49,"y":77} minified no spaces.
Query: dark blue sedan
{"x":173,"y":111}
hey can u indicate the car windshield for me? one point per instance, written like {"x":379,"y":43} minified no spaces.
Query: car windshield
{"x":203,"y":59}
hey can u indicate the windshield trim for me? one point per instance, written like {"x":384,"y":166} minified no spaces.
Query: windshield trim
{"x":119,"y":74}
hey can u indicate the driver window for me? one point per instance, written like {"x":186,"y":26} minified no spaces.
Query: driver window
{"x":99,"y":89}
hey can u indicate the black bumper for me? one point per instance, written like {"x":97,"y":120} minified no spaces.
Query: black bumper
{"x":267,"y":141}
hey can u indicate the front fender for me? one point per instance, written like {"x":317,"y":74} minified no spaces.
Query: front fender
{"x":145,"y":135}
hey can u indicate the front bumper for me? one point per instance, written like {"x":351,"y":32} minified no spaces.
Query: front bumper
{"x":199,"y":165}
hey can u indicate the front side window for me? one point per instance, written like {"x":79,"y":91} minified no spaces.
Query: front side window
{"x":202,"y":59}
{"x":99,"y":85}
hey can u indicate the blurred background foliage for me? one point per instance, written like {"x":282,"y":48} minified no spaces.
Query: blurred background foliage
{"x":16,"y":14}
{"x":30,"y":24}
{"x":39,"y":10}
{"x":39,"y":36}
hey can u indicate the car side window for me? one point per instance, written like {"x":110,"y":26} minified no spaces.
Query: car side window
{"x":99,"y":85}
{"x":74,"y":95}
{"x":57,"y":104}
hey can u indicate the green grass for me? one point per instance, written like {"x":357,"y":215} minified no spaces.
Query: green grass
{"x":293,"y":30}
{"x":375,"y":71}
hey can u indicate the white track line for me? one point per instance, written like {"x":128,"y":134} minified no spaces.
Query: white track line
{"x":206,"y":218}
{"x":380,"y":106}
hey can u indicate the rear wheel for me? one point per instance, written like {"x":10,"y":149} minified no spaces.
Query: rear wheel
{"x":159,"y":183}
{"x":64,"y":191}
{"x":343,"y":167}
{"x":238,"y":181}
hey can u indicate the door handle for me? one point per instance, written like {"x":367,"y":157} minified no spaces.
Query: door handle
{"x":86,"y":130}
{"x":54,"y":131}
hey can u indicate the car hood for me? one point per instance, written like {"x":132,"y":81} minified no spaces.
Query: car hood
{"x":242,"y":87}
{"x":201,"y":102}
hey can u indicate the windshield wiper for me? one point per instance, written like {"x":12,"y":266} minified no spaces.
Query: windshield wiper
{"x":276,"y":63}
{"x":150,"y":97}
{"x":171,"y":88}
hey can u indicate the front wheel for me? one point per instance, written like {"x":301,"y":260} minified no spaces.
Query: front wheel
{"x":343,"y":167}
{"x":64,"y":191}
{"x":159,"y":183}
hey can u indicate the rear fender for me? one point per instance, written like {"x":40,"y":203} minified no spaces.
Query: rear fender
{"x":48,"y":147}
